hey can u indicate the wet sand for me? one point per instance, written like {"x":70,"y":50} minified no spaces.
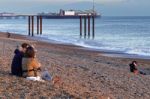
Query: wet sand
{"x":83,"y":74}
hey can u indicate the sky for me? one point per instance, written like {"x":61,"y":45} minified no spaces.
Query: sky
{"x":105,"y":7}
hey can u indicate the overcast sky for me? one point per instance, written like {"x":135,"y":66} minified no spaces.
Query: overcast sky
{"x":106,"y":7}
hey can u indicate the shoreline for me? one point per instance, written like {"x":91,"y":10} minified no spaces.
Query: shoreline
{"x":107,"y":53}
{"x":104,"y":52}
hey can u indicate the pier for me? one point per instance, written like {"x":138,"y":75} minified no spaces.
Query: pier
{"x":88,"y":20}
{"x":87,"y":25}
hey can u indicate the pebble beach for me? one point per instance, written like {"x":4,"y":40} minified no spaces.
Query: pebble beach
{"x":82,"y":73}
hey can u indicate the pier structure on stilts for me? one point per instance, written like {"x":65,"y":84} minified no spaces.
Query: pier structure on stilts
{"x":89,"y":24}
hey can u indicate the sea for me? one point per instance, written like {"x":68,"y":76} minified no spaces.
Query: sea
{"x":125,"y":34}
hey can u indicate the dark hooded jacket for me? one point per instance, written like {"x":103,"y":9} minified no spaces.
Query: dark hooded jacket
{"x":16,"y":66}
{"x":132,"y":67}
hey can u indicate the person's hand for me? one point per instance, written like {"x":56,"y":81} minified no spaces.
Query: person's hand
{"x":136,"y":72}
{"x":39,"y":64}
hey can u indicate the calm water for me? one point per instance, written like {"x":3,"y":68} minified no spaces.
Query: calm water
{"x":120,"y":34}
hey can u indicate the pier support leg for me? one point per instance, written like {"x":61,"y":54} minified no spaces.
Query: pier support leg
{"x":32,"y":25}
{"x":80,"y":26}
{"x":37,"y":25}
{"x":40,"y":25}
{"x":29,"y":25}
{"x":93,"y":18}
{"x":89,"y":26}
{"x":84,"y":27}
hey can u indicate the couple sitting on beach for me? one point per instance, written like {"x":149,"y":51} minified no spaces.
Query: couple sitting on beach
{"x":26,"y":65}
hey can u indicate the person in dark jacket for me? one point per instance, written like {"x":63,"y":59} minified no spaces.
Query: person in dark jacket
{"x":134,"y":69}
{"x":16,"y":66}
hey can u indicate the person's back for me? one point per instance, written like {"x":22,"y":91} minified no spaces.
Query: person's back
{"x":30,"y":67}
{"x":16,"y":68}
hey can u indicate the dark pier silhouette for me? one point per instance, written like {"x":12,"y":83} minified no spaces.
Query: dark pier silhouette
{"x":89,"y":26}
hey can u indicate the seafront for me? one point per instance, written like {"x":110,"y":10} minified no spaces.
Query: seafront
{"x":83,"y":73}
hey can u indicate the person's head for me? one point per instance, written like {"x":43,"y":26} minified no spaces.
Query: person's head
{"x":134,"y":62}
{"x":30,"y":52}
{"x":24,"y":46}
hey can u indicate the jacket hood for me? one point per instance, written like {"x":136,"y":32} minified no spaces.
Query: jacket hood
{"x":16,"y":51}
